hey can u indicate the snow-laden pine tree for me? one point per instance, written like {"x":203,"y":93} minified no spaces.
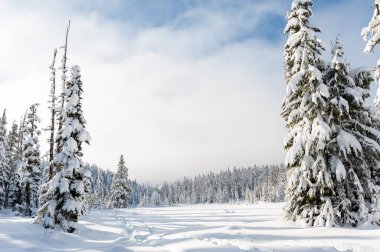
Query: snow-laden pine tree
{"x":29,"y":171}
{"x":155,"y":199}
{"x":13,"y":139}
{"x":4,"y":160}
{"x":367,"y":132}
{"x":350,"y":139}
{"x":15,"y":186}
{"x":120,"y":188}
{"x":301,"y":34}
{"x":310,"y":186}
{"x":69,"y":185}
{"x":99,"y":190}
{"x":373,"y":28}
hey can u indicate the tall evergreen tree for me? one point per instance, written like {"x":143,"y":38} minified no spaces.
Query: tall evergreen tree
{"x":15,"y":187}
{"x":349,"y":142}
{"x":99,"y":190}
{"x":310,"y":186}
{"x":69,"y":186}
{"x":367,"y":132}
{"x":13,"y":139}
{"x":30,"y":165}
{"x":4,"y":159}
{"x":373,"y":29}
{"x":120,"y":188}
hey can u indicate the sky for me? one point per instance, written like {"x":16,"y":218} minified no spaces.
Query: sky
{"x":179,"y":87}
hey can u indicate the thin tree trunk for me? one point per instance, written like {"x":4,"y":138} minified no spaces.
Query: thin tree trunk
{"x":53,"y":112}
{"x":64,"y":70}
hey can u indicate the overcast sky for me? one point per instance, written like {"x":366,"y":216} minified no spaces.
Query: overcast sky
{"x":179,"y":87}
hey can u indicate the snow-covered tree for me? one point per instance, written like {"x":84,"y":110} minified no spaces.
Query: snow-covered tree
{"x":120,"y":188}
{"x":155,"y":199}
{"x":4,"y":160}
{"x":30,"y":173}
{"x":373,"y":28}
{"x":349,"y":169}
{"x":144,"y":200}
{"x":13,"y":139}
{"x":301,"y":35}
{"x":367,"y":132}
{"x":69,"y":185}
{"x":99,"y":190}
{"x":310,"y":186}
{"x":14,"y":196}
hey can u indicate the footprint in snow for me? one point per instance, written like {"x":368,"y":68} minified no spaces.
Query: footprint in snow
{"x":128,"y":230}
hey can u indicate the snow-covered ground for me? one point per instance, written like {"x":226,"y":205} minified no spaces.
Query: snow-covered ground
{"x":208,"y":228}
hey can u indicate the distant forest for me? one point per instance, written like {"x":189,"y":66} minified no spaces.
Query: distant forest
{"x":250,"y":185}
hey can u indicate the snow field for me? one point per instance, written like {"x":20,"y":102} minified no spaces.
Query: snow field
{"x":208,"y":228}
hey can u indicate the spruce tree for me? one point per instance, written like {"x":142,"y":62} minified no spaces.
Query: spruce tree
{"x":30,"y":173}
{"x":4,"y":160}
{"x":301,"y":34}
{"x":367,"y":132}
{"x":349,"y":167}
{"x":373,"y":29}
{"x":13,"y":139}
{"x":310,"y":187}
{"x":15,"y":187}
{"x":120,"y":188}
{"x":99,"y":190}
{"x":69,"y":186}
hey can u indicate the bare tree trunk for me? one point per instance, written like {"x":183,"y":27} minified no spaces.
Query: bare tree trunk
{"x":63,"y":77}
{"x":53,"y":112}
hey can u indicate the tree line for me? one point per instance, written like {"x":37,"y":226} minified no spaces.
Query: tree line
{"x":237,"y":185}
